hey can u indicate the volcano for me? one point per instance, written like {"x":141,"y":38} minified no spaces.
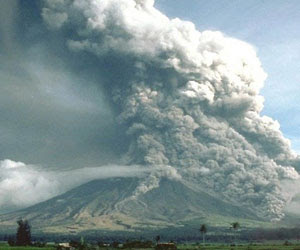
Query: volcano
{"x":110,"y":204}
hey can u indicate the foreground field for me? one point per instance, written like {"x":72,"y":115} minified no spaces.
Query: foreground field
{"x":180,"y":247}
{"x":6,"y":247}
{"x":241,"y":247}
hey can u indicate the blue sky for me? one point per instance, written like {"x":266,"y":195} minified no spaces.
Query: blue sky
{"x":272,"y":26}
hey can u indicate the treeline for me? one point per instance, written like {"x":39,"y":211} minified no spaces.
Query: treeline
{"x":179,"y":235}
{"x":271,"y":234}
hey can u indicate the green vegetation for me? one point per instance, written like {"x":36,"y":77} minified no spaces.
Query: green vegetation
{"x":203,"y":231}
{"x":5,"y":246}
{"x":267,"y":246}
{"x":241,"y":247}
{"x":233,"y":237}
{"x":23,"y":237}
{"x":235,"y":226}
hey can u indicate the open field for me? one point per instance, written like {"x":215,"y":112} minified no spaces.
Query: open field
{"x":241,"y":247}
{"x":26,"y":248}
{"x":4,"y":246}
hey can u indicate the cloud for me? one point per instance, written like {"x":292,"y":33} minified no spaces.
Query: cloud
{"x":55,"y":19}
{"x":22,"y":185}
{"x":188,"y":99}
{"x":51,"y":116}
{"x":8,"y":20}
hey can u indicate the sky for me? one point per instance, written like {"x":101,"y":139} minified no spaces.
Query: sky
{"x":46,"y":117}
{"x":272,"y":27}
{"x":116,"y":83}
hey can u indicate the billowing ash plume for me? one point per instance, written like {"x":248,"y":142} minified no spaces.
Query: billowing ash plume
{"x":189,"y":99}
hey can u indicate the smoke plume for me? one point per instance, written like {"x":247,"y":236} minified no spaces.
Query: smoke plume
{"x":189,"y":100}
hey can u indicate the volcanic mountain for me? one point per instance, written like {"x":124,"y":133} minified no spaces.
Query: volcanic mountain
{"x":110,"y":204}
{"x":187,"y":112}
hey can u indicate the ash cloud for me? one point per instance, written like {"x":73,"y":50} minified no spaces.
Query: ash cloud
{"x":189,"y":100}
{"x":181,"y":103}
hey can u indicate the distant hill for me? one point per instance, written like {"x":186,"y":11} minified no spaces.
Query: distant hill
{"x":110,"y":205}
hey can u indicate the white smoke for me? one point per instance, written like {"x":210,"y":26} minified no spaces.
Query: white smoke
{"x":190,"y":100}
{"x":23,"y":185}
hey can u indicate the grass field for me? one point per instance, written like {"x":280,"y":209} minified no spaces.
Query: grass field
{"x":4,"y":246}
{"x":241,"y":247}
{"x":26,"y":248}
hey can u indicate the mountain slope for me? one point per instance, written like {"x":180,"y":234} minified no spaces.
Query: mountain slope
{"x":110,"y":205}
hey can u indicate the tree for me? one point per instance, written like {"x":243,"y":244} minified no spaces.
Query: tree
{"x":83,"y":244}
{"x":203,"y":230}
{"x":11,"y":241}
{"x":235,"y":226}
{"x":23,"y":237}
{"x":157,"y":238}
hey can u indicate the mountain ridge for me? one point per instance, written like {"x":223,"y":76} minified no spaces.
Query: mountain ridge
{"x":110,"y":204}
